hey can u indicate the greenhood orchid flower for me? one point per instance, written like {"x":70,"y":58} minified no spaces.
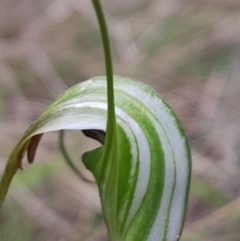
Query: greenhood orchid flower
{"x":143,"y":168}
{"x":142,"y":174}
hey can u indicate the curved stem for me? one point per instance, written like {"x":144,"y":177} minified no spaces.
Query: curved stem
{"x":109,"y":69}
{"x":68,"y":159}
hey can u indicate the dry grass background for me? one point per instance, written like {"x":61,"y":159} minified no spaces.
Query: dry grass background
{"x":189,"y":51}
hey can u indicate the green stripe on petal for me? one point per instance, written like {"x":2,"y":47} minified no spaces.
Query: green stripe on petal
{"x":143,"y":173}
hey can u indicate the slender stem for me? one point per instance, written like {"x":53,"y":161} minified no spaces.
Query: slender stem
{"x":108,"y":159}
{"x":68,"y":159}
{"x":109,"y":69}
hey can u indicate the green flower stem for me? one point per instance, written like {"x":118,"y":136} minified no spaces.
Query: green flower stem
{"x":109,"y":204}
{"x":109,"y":70}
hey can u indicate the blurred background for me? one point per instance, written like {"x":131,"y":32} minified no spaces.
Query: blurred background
{"x":189,"y":51}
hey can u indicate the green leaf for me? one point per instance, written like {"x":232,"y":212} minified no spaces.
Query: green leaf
{"x":142,"y":171}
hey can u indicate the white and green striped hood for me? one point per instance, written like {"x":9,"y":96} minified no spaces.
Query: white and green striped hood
{"x":143,"y":175}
